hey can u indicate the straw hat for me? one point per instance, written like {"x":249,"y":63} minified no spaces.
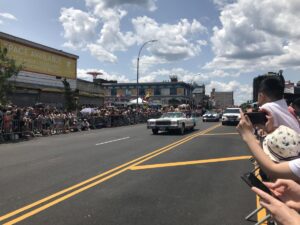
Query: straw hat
{"x":282,"y":145}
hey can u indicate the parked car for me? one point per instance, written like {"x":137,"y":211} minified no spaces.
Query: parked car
{"x":231,"y":116}
{"x":211,"y":116}
{"x":171,"y":121}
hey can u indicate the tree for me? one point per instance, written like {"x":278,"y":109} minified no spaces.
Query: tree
{"x":69,"y":96}
{"x":8,"y":68}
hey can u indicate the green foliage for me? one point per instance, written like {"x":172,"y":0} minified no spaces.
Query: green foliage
{"x":8,"y":68}
{"x":70,"y":103}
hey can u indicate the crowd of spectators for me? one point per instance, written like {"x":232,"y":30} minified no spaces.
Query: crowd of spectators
{"x":276,"y":151}
{"x":41,"y":120}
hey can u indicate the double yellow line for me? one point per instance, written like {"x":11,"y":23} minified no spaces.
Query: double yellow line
{"x":38,"y":206}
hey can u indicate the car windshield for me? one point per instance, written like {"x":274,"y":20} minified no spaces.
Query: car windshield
{"x":210,"y":112}
{"x":172,"y":115}
{"x":232,"y":111}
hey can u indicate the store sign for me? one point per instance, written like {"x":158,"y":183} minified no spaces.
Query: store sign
{"x":39,"y":61}
{"x":180,"y":91}
{"x":133,"y":91}
{"x":120,"y":92}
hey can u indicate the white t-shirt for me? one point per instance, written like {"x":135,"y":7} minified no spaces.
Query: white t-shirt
{"x":295,"y":166}
{"x":281,"y":114}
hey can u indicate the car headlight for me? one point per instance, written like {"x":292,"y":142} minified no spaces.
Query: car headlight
{"x":224,"y":118}
{"x":174,"y":122}
{"x":151,"y":123}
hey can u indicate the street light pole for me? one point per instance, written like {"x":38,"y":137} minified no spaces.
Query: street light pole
{"x":137,"y":70}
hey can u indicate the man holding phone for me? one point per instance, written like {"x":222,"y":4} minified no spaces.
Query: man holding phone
{"x":271,"y":101}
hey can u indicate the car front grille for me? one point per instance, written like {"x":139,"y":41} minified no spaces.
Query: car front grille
{"x":166,"y":122}
{"x":232,"y":117}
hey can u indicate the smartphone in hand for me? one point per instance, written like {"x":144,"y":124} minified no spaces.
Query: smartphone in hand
{"x":257,"y":117}
{"x":253,"y":181}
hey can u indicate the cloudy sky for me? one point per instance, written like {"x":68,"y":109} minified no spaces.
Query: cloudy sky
{"x":221,"y":43}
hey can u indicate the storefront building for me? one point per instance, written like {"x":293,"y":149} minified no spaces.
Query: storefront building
{"x":163,"y":93}
{"x":43,"y":70}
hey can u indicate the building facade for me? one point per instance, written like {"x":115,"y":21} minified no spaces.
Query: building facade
{"x":221,"y":99}
{"x":43,"y":70}
{"x":89,"y":93}
{"x":161,"y":93}
{"x":199,"y":96}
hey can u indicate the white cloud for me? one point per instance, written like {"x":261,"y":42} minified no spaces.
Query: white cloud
{"x":175,"y":41}
{"x":186,"y":76}
{"x":101,"y":54}
{"x":79,"y":27}
{"x":111,"y":37}
{"x":6,"y":16}
{"x":99,"y":31}
{"x":222,"y":3}
{"x":101,"y":22}
{"x":99,"y":5}
{"x":82,"y":74}
{"x":258,"y":33}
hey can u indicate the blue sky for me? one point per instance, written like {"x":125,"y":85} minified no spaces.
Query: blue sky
{"x":221,"y":43}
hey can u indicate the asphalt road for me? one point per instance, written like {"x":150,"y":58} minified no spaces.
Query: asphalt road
{"x":127,"y":176}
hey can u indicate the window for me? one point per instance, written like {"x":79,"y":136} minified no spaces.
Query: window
{"x":141,"y":91}
{"x":173,"y":91}
{"x":113,"y":92}
{"x":157,"y":91}
{"x":128,"y":92}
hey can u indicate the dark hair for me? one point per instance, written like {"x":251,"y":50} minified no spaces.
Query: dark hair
{"x":272,"y":87}
{"x":296,"y":102}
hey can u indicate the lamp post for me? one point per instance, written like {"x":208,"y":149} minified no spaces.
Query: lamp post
{"x":137,"y":71}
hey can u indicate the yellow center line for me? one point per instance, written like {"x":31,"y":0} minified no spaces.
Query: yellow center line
{"x":89,"y":180}
{"x":220,"y":134}
{"x":194,"y":162}
{"x":126,"y":165}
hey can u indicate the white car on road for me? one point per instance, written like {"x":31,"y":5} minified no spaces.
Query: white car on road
{"x":231,"y":116}
{"x":171,"y":121}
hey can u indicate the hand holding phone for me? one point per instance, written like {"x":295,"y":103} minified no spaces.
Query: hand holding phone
{"x":253,"y":181}
{"x":257,"y":117}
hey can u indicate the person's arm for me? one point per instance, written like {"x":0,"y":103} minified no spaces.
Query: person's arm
{"x":288,"y":191}
{"x":272,"y":169}
{"x":280,"y":211}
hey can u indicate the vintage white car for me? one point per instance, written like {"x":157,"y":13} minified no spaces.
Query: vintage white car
{"x":171,"y":121}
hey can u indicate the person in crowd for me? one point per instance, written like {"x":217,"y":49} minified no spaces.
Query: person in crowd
{"x":286,"y":210}
{"x":249,"y":108}
{"x":281,"y":213}
{"x":294,"y":108}
{"x":85,"y":125}
{"x":47,"y":120}
{"x":1,"y":116}
{"x":284,"y":161}
{"x":288,"y":191}
{"x":270,"y":99}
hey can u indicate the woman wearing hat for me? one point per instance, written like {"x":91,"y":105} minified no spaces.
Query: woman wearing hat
{"x":280,"y":155}
{"x":278,"y":158}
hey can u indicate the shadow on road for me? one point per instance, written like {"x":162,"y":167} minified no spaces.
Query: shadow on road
{"x":175,"y":133}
